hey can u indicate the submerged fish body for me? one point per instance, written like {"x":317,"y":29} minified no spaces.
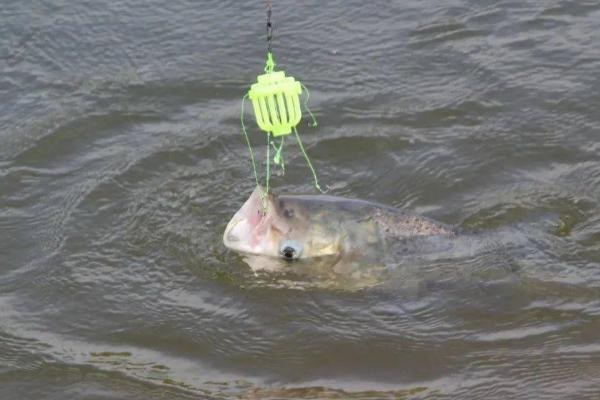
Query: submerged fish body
{"x":320,"y":227}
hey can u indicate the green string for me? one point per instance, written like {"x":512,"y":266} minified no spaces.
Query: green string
{"x":265,"y":194}
{"x":268,"y":177}
{"x":270,"y":64}
{"x":278,"y":158}
{"x":248,"y":141}
{"x":312,"y":169}
{"x":314,"y":124}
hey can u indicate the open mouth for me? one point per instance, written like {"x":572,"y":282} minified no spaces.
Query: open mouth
{"x":230,"y":237}
{"x":242,"y":236}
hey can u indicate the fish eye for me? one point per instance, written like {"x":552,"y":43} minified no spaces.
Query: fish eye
{"x":290,"y":249}
{"x":288,"y":213}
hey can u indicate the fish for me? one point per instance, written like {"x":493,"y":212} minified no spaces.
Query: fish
{"x":311,"y":228}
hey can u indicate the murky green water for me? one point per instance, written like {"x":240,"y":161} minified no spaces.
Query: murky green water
{"x":121,"y":161}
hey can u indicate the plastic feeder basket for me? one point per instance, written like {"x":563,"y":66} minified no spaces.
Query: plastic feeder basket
{"x":276,"y":102}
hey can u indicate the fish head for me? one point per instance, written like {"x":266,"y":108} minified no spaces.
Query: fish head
{"x":267,"y":225}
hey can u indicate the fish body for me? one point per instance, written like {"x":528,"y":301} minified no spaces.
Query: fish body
{"x":317,"y":227}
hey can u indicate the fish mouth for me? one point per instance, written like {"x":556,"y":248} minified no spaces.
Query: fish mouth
{"x":233,"y":237}
{"x":229,"y":238}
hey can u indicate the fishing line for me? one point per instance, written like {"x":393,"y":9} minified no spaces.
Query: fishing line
{"x":275,"y":101}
